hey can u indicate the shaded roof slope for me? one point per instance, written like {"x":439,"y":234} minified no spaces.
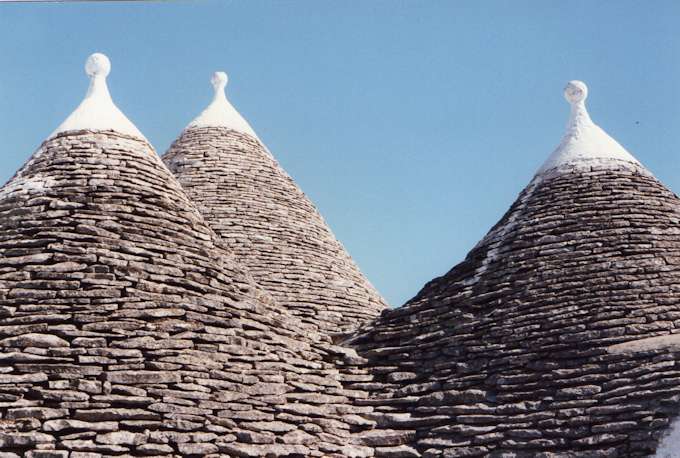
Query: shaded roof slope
{"x":267,"y":221}
{"x":127,"y":329}
{"x":545,"y":340}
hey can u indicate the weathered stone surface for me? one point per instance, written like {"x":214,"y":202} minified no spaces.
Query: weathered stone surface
{"x":155,"y":449}
{"x":197,"y":449}
{"x":114,"y":414}
{"x":272,"y":227}
{"x":255,"y":451}
{"x":121,"y":438}
{"x":143,"y":377}
{"x":17,"y":440}
{"x":41,"y":413}
{"x":383,"y":437}
{"x":34,"y":340}
{"x":298,"y":437}
{"x":552,"y":338}
{"x":400,"y":451}
{"x":62,"y":424}
{"x":23,"y":378}
{"x":47,"y":454}
{"x":127,"y":327}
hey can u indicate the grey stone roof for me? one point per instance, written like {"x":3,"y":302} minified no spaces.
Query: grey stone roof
{"x":137,"y":319}
{"x":272,"y":227}
{"x":128,"y":329}
{"x":543,"y":341}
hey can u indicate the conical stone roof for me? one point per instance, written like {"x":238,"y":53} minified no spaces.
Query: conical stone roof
{"x":127,"y":329}
{"x":557,"y":336}
{"x":267,"y":221}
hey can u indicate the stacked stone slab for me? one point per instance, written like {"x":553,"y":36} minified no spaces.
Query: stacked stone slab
{"x":268,"y":222}
{"x":558,"y":335}
{"x":128,"y":329}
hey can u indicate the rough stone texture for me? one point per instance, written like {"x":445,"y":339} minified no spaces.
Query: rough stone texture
{"x":520,"y":350}
{"x":126,"y":328}
{"x":272,"y":227}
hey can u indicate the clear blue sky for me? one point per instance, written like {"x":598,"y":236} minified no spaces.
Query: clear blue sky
{"x":412,"y":125}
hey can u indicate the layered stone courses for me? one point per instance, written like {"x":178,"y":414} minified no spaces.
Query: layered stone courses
{"x":538,"y":343}
{"x":127,"y":329}
{"x":272,"y":227}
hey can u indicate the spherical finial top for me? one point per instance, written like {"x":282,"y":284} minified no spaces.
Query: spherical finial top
{"x":219,"y":81}
{"x":98,"y":64}
{"x":575,"y":91}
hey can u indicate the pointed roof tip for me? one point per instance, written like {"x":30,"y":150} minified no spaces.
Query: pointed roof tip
{"x":97,"y":110}
{"x":584,"y":143}
{"x":220,"y":112}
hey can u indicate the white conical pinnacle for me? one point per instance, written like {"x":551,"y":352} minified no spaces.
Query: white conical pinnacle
{"x":221,"y":113}
{"x":97,"y":110}
{"x":584,"y":141}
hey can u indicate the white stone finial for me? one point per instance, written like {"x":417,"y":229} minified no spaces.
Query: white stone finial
{"x":575,"y":91}
{"x":219,"y":81}
{"x":98,"y":65}
{"x":221,"y":113}
{"x":97,"y":110}
{"x":584,"y":143}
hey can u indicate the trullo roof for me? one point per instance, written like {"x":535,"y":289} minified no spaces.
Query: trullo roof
{"x":267,"y":221}
{"x":127,"y":329}
{"x":557,"y":336}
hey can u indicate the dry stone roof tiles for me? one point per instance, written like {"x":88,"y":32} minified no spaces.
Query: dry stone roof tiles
{"x":555,"y":337}
{"x":271,"y":226}
{"x":128,"y":329}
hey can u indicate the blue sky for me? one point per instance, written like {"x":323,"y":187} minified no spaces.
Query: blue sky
{"x":412,"y":125}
